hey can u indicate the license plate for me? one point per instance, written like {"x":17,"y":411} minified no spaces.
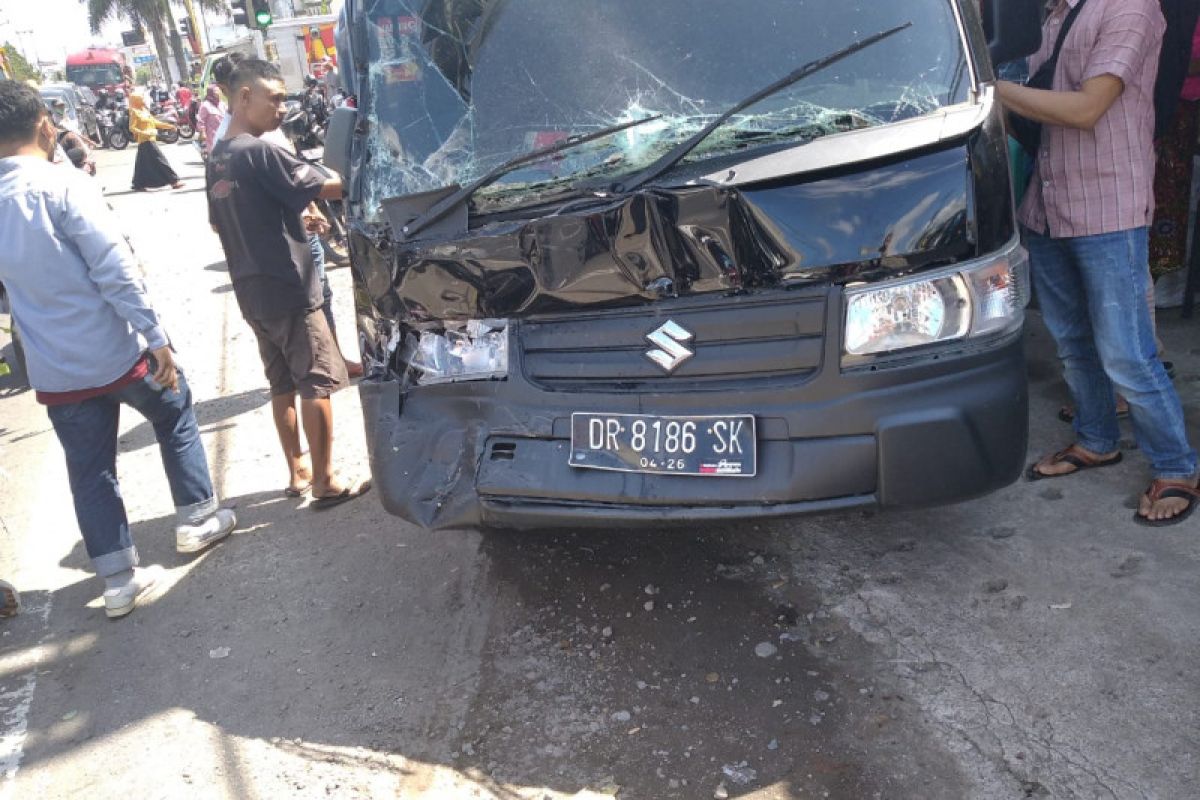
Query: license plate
{"x":707,"y":446}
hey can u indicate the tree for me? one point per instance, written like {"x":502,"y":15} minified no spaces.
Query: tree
{"x":154,"y":15}
{"x":147,"y":13}
{"x":22,"y":70}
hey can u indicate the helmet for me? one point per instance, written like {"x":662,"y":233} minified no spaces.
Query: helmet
{"x":309,"y":81}
{"x":119,"y":94}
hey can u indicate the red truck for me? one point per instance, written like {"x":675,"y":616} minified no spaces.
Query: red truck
{"x":98,"y":68}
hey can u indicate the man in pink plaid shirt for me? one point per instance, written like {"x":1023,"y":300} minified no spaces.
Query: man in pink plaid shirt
{"x":1086,"y":216}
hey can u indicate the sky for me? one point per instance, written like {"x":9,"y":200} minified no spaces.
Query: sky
{"x":49,"y":29}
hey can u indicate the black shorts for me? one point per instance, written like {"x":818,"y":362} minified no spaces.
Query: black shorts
{"x":300,"y":355}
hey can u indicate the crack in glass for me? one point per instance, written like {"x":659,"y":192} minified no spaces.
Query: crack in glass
{"x":458,"y":87}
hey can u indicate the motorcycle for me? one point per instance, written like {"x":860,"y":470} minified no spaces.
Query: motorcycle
{"x":181,"y":119}
{"x":308,"y":142}
{"x":168,"y":135}
{"x":114,"y":127}
{"x":301,"y":128}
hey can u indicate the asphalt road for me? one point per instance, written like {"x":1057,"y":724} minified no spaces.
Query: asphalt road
{"x":1033,"y":644}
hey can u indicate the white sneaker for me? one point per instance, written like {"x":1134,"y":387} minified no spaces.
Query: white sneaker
{"x":119,"y":602}
{"x":194,"y":538}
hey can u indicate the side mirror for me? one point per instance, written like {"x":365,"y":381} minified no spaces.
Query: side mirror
{"x":339,"y":136}
{"x":1013,"y":28}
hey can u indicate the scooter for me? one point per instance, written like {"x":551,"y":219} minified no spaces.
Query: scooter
{"x":114,"y":128}
{"x":168,"y":135}
{"x":170,"y":112}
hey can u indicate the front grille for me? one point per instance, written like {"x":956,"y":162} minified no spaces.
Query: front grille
{"x":734,"y":340}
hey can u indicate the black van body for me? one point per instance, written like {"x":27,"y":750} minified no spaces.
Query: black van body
{"x":803,"y":319}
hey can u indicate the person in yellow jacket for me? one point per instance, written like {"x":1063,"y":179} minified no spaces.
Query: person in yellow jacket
{"x":151,"y":170}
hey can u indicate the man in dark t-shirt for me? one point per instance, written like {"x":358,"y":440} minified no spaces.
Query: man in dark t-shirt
{"x":259,"y":202}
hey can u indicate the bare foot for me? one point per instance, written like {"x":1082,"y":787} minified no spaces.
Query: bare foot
{"x":302,"y":477}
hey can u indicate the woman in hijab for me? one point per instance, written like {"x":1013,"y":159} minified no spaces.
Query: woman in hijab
{"x":151,"y":169}
{"x":209,"y":117}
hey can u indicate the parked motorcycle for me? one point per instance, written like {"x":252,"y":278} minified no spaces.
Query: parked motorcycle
{"x":308,"y":141}
{"x":169,"y":112}
{"x":168,"y":135}
{"x":304,"y":132}
{"x":114,"y":127}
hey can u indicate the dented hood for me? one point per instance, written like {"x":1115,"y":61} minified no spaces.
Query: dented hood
{"x":886,"y":220}
{"x":454,"y":88}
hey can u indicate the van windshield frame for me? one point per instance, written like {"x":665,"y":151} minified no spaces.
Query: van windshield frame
{"x":457,"y":87}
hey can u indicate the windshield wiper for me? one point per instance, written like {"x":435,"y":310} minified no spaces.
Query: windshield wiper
{"x":680,"y":151}
{"x":448,"y":203}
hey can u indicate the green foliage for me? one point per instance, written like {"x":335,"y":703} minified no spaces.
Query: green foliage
{"x":22,"y":69}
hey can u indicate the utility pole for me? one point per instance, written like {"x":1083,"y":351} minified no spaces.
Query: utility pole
{"x":191,"y":12}
{"x":204,"y":27}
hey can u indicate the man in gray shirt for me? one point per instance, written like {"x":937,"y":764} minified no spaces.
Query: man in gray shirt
{"x":80,"y":305}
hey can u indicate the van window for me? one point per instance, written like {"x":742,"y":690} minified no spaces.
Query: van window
{"x":95,"y":75}
{"x":458,"y":87}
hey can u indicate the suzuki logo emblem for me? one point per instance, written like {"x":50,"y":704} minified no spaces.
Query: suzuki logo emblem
{"x":670,"y":351}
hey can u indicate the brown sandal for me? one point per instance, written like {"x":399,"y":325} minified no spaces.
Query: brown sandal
{"x":1076,"y":457}
{"x":1161,"y":490}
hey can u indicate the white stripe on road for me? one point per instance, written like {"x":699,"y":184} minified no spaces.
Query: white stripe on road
{"x":16,"y":703}
{"x":34,"y":557}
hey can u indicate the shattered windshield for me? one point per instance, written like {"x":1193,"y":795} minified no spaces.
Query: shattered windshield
{"x":458,"y":87}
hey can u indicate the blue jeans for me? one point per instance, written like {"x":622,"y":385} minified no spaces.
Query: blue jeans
{"x":1092,"y":291}
{"x":88,"y":433}
{"x":318,"y":254}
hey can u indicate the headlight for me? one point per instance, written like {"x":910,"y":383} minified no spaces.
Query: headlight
{"x":979,"y":299}
{"x":472,"y":351}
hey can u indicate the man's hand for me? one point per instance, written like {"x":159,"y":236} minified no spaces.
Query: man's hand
{"x":164,"y":368}
{"x":314,"y":221}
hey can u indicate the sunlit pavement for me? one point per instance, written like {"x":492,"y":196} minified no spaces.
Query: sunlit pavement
{"x":1032,"y":644}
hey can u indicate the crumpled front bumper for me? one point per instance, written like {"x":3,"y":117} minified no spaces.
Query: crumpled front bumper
{"x":494,"y":453}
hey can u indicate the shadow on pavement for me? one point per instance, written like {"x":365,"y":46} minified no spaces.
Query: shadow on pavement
{"x":665,"y":664}
{"x":208,"y":412}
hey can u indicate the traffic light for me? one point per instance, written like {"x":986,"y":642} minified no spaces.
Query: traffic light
{"x":238,"y":10}
{"x":262,"y":13}
{"x":185,"y":28}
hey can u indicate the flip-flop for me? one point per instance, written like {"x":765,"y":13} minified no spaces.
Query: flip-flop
{"x":1066,"y":456}
{"x":356,"y":489}
{"x":1159,"y":490}
{"x":293,"y":492}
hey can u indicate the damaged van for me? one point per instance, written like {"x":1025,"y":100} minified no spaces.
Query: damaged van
{"x":621,"y":262}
